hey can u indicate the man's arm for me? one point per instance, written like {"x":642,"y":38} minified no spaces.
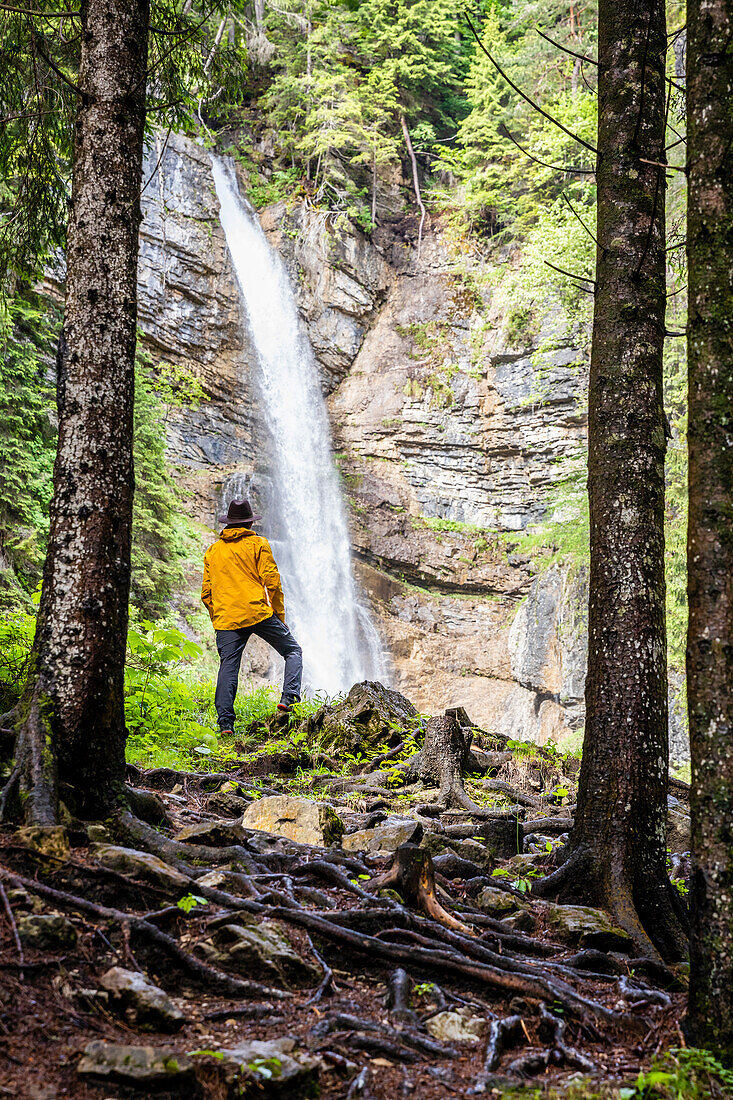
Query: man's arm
{"x":206,"y":589}
{"x":271,"y":578}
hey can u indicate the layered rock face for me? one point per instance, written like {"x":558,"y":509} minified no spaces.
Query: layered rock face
{"x":449,"y":442}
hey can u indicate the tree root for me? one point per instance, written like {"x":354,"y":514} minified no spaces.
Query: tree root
{"x":193,"y":966}
{"x":398,"y":997}
{"x":421,"y":1043}
{"x":13,"y":928}
{"x":502,"y":1034}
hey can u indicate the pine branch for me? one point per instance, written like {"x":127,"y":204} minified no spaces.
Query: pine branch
{"x":570,"y":275}
{"x":577,"y":215}
{"x":565,"y":49}
{"x":554,"y":167}
{"x":524,"y":95}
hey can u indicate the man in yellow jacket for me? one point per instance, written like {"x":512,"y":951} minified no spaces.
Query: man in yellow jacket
{"x":244,"y":596}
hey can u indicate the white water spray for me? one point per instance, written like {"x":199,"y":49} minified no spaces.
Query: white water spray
{"x":340,"y":643}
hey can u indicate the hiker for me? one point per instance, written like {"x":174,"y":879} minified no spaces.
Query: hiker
{"x":243,"y":595}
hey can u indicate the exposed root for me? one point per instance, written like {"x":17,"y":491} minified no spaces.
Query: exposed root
{"x":196,"y":968}
{"x":502,"y":1034}
{"x":413,"y":876}
{"x":398,"y":997}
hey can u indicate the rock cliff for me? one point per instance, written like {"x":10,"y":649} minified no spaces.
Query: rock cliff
{"x":451,"y":444}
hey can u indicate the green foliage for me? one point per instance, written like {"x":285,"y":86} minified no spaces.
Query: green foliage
{"x":28,"y":328}
{"x":161,"y":536}
{"x":17,"y":629}
{"x":194,"y":64}
{"x":163,"y":711}
{"x":682,"y":1074}
{"x":190,"y":902}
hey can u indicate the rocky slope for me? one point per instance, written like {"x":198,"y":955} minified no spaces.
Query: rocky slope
{"x":451,"y":444}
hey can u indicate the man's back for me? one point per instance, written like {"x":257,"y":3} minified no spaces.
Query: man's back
{"x":241,"y":581}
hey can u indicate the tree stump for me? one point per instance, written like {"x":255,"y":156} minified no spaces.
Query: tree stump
{"x":413,"y":876}
{"x":445,"y":754}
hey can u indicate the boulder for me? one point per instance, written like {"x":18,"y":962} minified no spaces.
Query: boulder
{"x":497,"y":903}
{"x":258,"y":949}
{"x":298,"y":819}
{"x":460,"y":1027}
{"x":370,"y":715}
{"x":51,"y":841}
{"x":384,"y":840}
{"x":451,"y":866}
{"x":140,"y":865}
{"x":217,"y":833}
{"x":134,"y":1064}
{"x":581,"y":926}
{"x":142,"y":1003}
{"x":47,"y":932}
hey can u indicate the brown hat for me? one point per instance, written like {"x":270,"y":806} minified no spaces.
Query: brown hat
{"x":240,"y":512}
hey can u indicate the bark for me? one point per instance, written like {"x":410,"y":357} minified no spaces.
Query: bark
{"x":617,"y":847}
{"x":72,"y":731}
{"x":710,"y":531}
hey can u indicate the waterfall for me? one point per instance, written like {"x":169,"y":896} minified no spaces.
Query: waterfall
{"x":305,"y":518}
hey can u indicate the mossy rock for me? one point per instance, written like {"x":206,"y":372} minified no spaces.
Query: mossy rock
{"x":369,"y":716}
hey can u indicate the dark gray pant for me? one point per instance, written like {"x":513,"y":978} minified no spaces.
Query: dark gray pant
{"x":231,"y":643}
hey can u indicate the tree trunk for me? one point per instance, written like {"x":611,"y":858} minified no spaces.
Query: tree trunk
{"x":616,"y":855}
{"x":710,"y":531}
{"x":72,"y":731}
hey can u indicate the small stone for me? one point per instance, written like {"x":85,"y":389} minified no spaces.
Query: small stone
{"x":143,"y":1004}
{"x":456,"y":1027}
{"x":383,"y":840}
{"x":51,"y":841}
{"x":47,"y":932}
{"x":140,"y":865}
{"x":97,"y":834}
{"x":258,"y":949}
{"x":582,"y":926}
{"x":274,"y":1066}
{"x":219,"y":833}
{"x":298,"y":819}
{"x":497,"y":903}
{"x":147,"y":1065}
{"x":227,"y":803}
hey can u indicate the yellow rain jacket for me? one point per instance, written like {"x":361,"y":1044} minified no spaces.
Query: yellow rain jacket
{"x":241,"y":583}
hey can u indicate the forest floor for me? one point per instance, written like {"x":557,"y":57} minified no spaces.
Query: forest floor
{"x":207,"y":957}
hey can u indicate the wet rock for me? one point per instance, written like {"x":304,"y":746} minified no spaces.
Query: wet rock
{"x":51,"y":841}
{"x":582,"y":926}
{"x":142,"y":1003}
{"x":497,"y":903}
{"x":275,"y":1067}
{"x":135,"y":1064}
{"x":214,"y":833}
{"x":460,"y":1027}
{"x":298,"y":819}
{"x":47,"y":932}
{"x":140,"y":865}
{"x":384,"y":839}
{"x":258,"y":949}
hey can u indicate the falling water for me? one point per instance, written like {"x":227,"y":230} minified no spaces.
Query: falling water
{"x":340,"y":642}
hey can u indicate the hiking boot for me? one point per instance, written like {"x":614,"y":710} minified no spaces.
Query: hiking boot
{"x":286,"y":703}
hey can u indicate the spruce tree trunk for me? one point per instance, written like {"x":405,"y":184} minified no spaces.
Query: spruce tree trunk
{"x":710,"y":531}
{"x":617,"y":846}
{"x":72,"y":735}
